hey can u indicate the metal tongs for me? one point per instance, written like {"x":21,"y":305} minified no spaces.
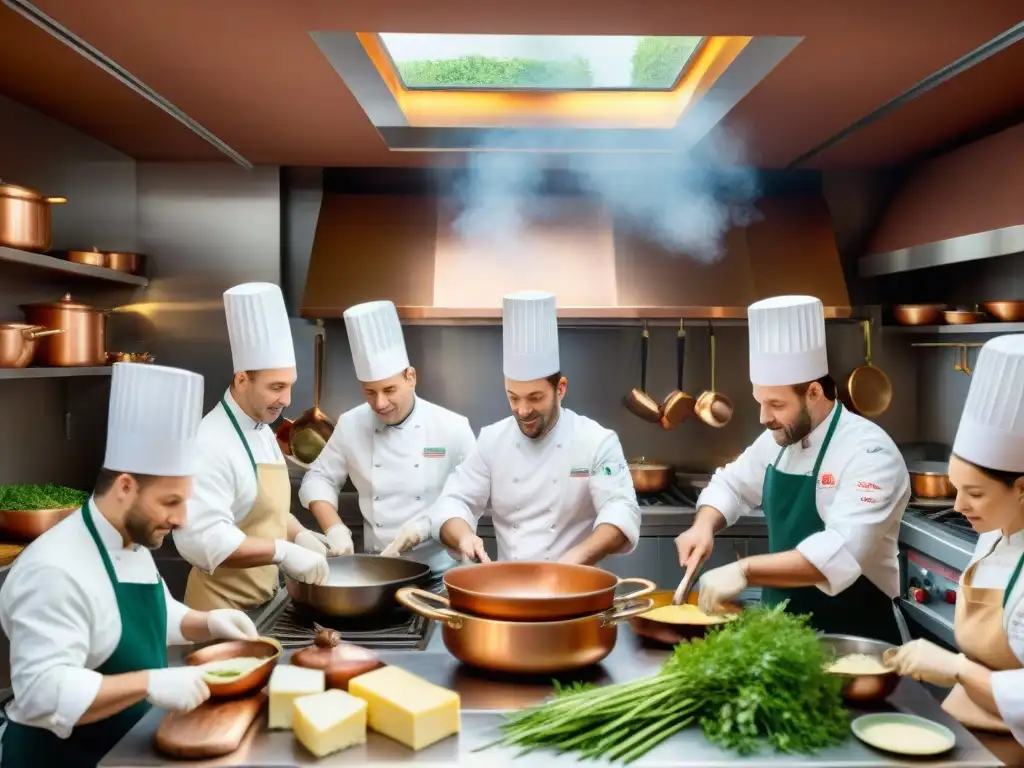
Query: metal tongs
{"x":686,"y":585}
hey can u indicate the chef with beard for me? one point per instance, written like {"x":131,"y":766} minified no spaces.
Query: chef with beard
{"x":398,"y":448}
{"x":557,"y":482}
{"x":240,"y":527}
{"x":833,"y":487}
{"x":88,"y":617}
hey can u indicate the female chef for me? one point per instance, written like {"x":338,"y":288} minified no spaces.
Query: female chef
{"x":987,"y":468}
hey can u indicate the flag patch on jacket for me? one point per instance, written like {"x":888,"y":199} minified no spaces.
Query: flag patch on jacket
{"x":579,"y":472}
{"x":433,"y":453}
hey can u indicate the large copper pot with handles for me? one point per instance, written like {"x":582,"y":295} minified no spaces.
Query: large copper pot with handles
{"x":25,"y":219}
{"x":523,"y":647}
{"x":18,"y":343}
{"x":84,"y":340}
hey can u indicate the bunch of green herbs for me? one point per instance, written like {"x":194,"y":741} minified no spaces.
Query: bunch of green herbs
{"x":758,"y":680}
{"x":36,"y":497}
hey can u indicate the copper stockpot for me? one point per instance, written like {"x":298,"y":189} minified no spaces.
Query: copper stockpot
{"x":649,"y":476}
{"x":84,"y":341}
{"x":930,"y":480}
{"x":28,"y":524}
{"x":1006,"y":311}
{"x":260,"y":648}
{"x":25,"y":219}
{"x":18,"y":343}
{"x":919,"y":314}
{"x":541,"y":591}
{"x":523,"y":647}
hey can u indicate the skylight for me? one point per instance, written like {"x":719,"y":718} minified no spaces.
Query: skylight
{"x":538,"y":62}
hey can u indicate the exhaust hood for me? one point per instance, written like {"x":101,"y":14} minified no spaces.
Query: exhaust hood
{"x":406,"y":248}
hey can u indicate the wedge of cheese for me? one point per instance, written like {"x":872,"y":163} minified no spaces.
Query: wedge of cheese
{"x":407,"y":708}
{"x":329,"y":722}
{"x":287,"y":683}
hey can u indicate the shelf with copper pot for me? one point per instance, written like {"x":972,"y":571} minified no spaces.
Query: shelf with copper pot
{"x":63,"y":266}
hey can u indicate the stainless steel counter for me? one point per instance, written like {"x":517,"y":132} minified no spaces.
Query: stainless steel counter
{"x":485,"y":697}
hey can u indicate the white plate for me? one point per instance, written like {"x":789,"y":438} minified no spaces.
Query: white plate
{"x":868,"y":728}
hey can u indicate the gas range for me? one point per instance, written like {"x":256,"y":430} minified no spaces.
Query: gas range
{"x":672,"y":497}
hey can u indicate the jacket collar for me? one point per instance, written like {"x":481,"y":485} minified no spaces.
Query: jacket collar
{"x":245,"y":422}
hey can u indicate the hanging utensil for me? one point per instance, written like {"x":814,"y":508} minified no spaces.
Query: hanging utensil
{"x":868,"y":389}
{"x":678,"y":405}
{"x":638,"y":402}
{"x":311,"y":431}
{"x":713,"y":408}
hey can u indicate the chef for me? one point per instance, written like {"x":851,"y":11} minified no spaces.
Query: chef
{"x":833,"y":487}
{"x":398,"y":448}
{"x":88,"y":617}
{"x":557,"y":482}
{"x":987,"y":468}
{"x":240,"y":527}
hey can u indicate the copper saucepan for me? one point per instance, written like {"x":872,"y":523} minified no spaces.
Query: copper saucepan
{"x":523,"y":647}
{"x":868,"y":389}
{"x":712,"y":407}
{"x":919,"y":314}
{"x":545,"y":591}
{"x":678,"y":405}
{"x":638,"y":402}
{"x":18,"y":343}
{"x":930,"y":480}
{"x":311,"y":431}
{"x":121,"y":261}
{"x":1005,"y":311}
{"x":84,"y":341}
{"x":649,"y":476}
{"x":25,"y":218}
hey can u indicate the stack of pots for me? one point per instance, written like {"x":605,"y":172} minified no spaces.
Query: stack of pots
{"x":530,"y":617}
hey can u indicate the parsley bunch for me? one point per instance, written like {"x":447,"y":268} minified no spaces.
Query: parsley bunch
{"x":758,"y":679}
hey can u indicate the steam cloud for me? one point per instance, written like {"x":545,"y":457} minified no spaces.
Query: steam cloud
{"x":685,"y":201}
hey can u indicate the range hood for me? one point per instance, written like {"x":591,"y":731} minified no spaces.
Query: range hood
{"x":406,"y":248}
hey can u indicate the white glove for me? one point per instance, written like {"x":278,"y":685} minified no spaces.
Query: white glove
{"x":306,"y":538}
{"x":925,"y":661}
{"x":408,"y":536}
{"x":300,"y":563}
{"x":719,"y":585}
{"x":180,"y":689}
{"x":340,"y":540}
{"x":230,"y":624}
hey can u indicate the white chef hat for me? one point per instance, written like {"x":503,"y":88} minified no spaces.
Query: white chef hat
{"x":787,"y":341}
{"x":991,"y":432}
{"x":258,"y":327}
{"x":375,"y":337}
{"x":153,"y":420}
{"x":529,"y":323}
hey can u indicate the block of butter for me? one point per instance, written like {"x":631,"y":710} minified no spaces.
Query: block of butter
{"x":407,"y":708}
{"x":328,"y":722}
{"x":288,"y":683}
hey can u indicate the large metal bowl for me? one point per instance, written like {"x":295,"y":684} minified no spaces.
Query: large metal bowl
{"x":358,"y":585}
{"x":862,"y":688}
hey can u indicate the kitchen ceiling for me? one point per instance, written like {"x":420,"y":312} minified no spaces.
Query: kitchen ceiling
{"x":251,"y":73}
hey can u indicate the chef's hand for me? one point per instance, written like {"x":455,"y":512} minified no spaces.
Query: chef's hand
{"x":408,"y":537}
{"x":719,"y":585}
{"x":694,"y":545}
{"x":179,"y":689}
{"x":339,"y":538}
{"x":925,"y":661}
{"x":230,"y":624}
{"x":301,"y":564}
{"x":306,"y":538}
{"x":471,"y":547}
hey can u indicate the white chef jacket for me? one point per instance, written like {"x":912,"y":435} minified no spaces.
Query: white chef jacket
{"x":59,"y":611}
{"x":224,"y":487}
{"x":398,"y":471}
{"x":546,"y":495}
{"x":862,"y":490}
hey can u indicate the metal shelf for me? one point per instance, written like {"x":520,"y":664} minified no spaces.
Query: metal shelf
{"x":994,"y":329}
{"x":53,"y":264}
{"x":980,"y":245}
{"x":54,"y":373}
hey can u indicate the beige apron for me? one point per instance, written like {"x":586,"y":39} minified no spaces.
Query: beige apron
{"x":980,"y":636}
{"x":248,"y":588}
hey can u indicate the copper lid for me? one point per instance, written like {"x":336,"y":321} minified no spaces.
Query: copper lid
{"x":22,"y":193}
{"x":65,"y":303}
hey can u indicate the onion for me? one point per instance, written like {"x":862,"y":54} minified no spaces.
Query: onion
{"x":339,"y":661}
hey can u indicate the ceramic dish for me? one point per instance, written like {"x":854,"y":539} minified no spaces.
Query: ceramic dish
{"x":903,"y":734}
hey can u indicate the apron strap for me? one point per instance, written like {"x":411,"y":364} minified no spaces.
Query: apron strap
{"x":238,"y":431}
{"x":828,"y":439}
{"x":107,"y":565}
{"x":1013,"y":580}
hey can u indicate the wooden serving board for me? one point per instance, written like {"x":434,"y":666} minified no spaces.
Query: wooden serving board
{"x":213,"y":729}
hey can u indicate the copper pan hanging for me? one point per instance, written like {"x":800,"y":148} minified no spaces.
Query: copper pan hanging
{"x":868,"y":388}
{"x":678,"y":405}
{"x":638,"y":402}
{"x":712,"y":407}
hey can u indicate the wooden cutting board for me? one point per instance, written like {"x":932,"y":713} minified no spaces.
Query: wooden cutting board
{"x":213,"y":729}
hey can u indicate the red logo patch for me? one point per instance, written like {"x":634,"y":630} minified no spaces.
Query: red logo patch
{"x":827,"y":479}
{"x":868,"y":486}
{"x":867,"y":500}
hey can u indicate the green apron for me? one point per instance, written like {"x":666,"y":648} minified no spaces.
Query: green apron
{"x":791,"y":514}
{"x":143,"y":645}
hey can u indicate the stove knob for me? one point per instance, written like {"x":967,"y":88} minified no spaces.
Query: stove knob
{"x":951,"y":596}
{"x":918,"y":595}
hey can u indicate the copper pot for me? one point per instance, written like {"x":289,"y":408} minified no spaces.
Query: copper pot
{"x":1006,"y":311}
{"x":918,"y":314}
{"x":523,"y":647}
{"x":28,"y":524}
{"x":712,"y":407}
{"x":25,"y":221}
{"x":18,"y":343}
{"x":84,"y":341}
{"x":963,"y":317}
{"x":649,"y":476}
{"x":93,"y":258}
{"x":930,"y":480}
{"x":868,"y":388}
{"x":514,"y":591}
